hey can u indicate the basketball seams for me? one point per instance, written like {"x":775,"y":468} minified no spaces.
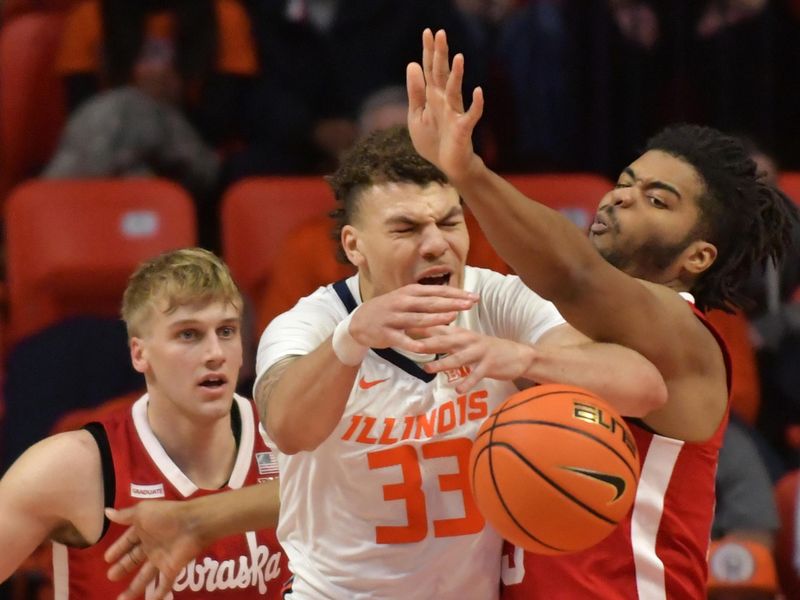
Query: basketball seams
{"x":577,"y":430}
{"x":499,"y":495}
{"x":493,"y":475}
{"x":548,"y":393}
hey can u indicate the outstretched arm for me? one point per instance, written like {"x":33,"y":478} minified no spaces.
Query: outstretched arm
{"x":554,"y":258}
{"x":545,"y":249}
{"x":621,"y":376}
{"x":164,"y":536}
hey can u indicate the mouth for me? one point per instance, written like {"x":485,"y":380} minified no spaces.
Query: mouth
{"x":600,"y":224}
{"x":435,"y":279}
{"x":213,"y":382}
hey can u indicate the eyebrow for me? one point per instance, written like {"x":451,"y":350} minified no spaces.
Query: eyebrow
{"x":190,"y":322}
{"x":404,"y":220}
{"x":659,"y":185}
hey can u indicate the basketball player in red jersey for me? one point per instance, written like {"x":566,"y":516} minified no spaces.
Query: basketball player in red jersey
{"x":189,"y":436}
{"x":687,"y":219}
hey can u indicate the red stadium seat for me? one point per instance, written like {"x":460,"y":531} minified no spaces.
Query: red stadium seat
{"x":257,"y":214}
{"x":72,"y":244}
{"x":31,"y":96}
{"x":576,"y":195}
{"x":789,"y":182}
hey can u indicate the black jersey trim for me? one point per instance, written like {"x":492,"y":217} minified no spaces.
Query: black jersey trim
{"x":392,"y":356}
{"x":98,"y":432}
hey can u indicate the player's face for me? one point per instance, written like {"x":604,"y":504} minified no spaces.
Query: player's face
{"x":645,"y":225}
{"x":190,"y":358}
{"x":403,"y":233}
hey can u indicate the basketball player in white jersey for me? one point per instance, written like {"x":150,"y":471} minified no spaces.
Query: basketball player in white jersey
{"x":375,"y":501}
{"x":374,"y":447}
{"x":683,"y":228}
{"x":187,"y":437}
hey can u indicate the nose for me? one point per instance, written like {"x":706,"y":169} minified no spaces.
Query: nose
{"x":623,"y":196}
{"x":214,"y":351}
{"x":433,"y":243}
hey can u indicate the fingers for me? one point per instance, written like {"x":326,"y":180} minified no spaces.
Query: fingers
{"x":122,"y":545}
{"x":440,"y":69}
{"x":427,"y":55}
{"x":415,"y":88}
{"x":129,"y":562}
{"x":452,"y":90}
{"x":475,"y":111}
{"x":123,"y":516}
{"x":138,"y":585}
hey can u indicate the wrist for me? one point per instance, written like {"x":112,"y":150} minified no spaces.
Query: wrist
{"x":474,"y":171}
{"x":345,"y":347}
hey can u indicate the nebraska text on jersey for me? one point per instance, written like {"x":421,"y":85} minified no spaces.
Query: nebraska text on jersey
{"x":255,"y":570}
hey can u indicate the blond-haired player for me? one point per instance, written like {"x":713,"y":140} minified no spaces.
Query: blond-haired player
{"x":189,"y":436}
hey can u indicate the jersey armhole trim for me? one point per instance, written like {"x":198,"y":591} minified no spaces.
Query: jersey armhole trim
{"x":98,"y":432}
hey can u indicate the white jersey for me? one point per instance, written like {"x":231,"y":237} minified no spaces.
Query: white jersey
{"x":383,"y":508}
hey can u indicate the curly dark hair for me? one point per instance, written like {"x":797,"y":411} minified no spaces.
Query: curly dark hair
{"x":383,"y":156}
{"x":748,"y":220}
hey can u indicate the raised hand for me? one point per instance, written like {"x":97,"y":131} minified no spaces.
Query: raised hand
{"x":486,"y":356}
{"x":440,"y":127}
{"x":384,"y":321}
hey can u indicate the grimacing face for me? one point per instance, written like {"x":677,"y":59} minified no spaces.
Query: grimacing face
{"x":190,"y":358}
{"x":645,"y":225}
{"x":403,"y":233}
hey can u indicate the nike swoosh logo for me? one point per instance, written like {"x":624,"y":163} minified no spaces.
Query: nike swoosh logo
{"x":365,"y":385}
{"x":617,"y":482}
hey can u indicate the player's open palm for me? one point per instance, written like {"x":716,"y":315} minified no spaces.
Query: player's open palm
{"x":384,"y":321}
{"x":440,"y":127}
{"x":159,"y":543}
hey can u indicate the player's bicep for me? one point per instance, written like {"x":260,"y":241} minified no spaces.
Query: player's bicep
{"x":645,"y":317}
{"x":266,"y":384}
{"x":49,"y":488}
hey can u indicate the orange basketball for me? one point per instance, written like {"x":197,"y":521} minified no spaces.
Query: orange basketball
{"x":554,"y":469}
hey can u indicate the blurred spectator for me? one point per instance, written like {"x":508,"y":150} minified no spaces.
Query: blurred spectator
{"x":129,"y":132}
{"x":745,"y":503}
{"x":198,"y":54}
{"x":319,"y":65}
{"x":536,"y":68}
{"x":787,"y":548}
{"x":153,"y":86}
{"x":741,"y":566}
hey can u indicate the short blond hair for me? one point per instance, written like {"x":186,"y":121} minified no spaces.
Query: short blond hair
{"x":181,"y":277}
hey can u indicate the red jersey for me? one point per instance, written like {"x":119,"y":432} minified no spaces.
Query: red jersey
{"x":659,"y":551}
{"x":136,"y":467}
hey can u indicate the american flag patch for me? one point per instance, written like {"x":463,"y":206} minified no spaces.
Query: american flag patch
{"x":267,"y":464}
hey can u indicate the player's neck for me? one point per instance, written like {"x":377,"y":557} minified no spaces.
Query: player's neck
{"x":205,"y":451}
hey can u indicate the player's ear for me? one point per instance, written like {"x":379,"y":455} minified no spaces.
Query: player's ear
{"x":350,"y":244}
{"x":699,"y":257}
{"x":138,"y":354}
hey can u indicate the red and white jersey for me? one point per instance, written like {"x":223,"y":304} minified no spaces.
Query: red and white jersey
{"x":660,"y":551}
{"x":136,"y":467}
{"x":382,"y":509}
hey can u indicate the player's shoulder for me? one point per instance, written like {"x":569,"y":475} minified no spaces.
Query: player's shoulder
{"x":75,"y":449}
{"x":55,"y":463}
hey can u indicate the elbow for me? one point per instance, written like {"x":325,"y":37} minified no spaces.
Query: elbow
{"x":652,"y":394}
{"x":291,"y":439}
